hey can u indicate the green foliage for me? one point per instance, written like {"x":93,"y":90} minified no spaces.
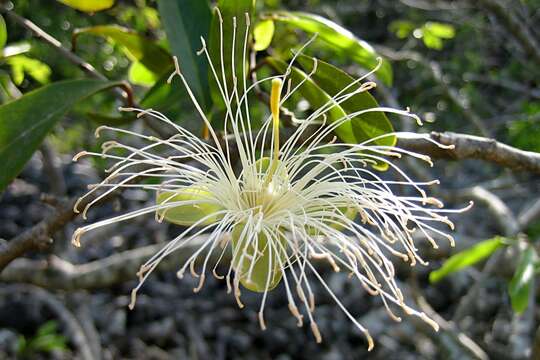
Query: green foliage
{"x":3,"y":33}
{"x":432,"y":33}
{"x":339,"y":38}
{"x":466,"y":258}
{"x":138,"y":48}
{"x":185,"y":22}
{"x":263,"y":34}
{"x":230,"y":10}
{"x":27,"y":120}
{"x":521,"y":283}
{"x":365,"y":126}
{"x":46,"y":340}
{"x":89,"y":5}
{"x":317,"y":97}
{"x":22,"y":65}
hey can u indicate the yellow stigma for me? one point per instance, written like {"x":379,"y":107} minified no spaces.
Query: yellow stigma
{"x":275,"y":97}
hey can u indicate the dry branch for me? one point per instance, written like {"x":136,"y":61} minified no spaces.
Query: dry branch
{"x":475,"y":147}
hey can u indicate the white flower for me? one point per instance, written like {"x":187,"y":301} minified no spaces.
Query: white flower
{"x":291,"y":203}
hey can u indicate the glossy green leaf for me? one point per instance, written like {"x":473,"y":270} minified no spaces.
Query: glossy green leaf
{"x":339,"y":38}
{"x":88,"y":5}
{"x":22,"y":65}
{"x":185,"y":22}
{"x":229,"y":10}
{"x":26,"y":121}
{"x":333,"y":80}
{"x":3,"y":32}
{"x":521,"y":283}
{"x":139,"y":74}
{"x":317,"y":97}
{"x":137,"y":47}
{"x":466,"y":258}
{"x":199,"y":205}
{"x":263,"y":34}
{"x":260,"y":255}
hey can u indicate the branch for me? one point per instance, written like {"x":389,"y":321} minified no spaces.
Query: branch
{"x":474,"y":147}
{"x":62,"y":275}
{"x":39,"y":236}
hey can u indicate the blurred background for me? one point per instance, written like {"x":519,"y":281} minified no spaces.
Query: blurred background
{"x":470,"y":67}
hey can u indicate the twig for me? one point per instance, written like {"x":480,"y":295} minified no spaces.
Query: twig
{"x":437,"y":74}
{"x":474,"y":147}
{"x":38,"y":237}
{"x":454,"y":337}
{"x":514,"y":26}
{"x":72,"y":327}
{"x":52,"y":169}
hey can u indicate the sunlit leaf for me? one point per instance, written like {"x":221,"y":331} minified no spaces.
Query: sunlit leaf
{"x":333,"y":80}
{"x":27,"y":120}
{"x":401,"y":28}
{"x":140,"y":75}
{"x":137,"y":47}
{"x":521,"y":283}
{"x":440,"y":30}
{"x":185,"y":22}
{"x":263,"y":33}
{"x":89,"y":5}
{"x":22,"y":65}
{"x":317,"y":97}
{"x":466,"y":258}
{"x":431,"y":41}
{"x":230,"y":10}
{"x":196,"y":206}
{"x":339,"y":38}
{"x":3,"y":32}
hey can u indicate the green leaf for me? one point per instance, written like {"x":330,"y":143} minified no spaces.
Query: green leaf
{"x":365,"y":126}
{"x":89,"y":5}
{"x":25,"y":122}
{"x":431,"y":41}
{"x":401,"y":28}
{"x":21,"y":65}
{"x":229,"y":9}
{"x":339,"y":38}
{"x":140,"y":75}
{"x":440,"y":30}
{"x":185,"y":22}
{"x":47,"y":328}
{"x":263,"y":34}
{"x":111,"y":120}
{"x":198,"y":206}
{"x":466,"y":258}
{"x":317,"y":97}
{"x":521,"y":283}
{"x":3,"y":33}
{"x":137,"y":47}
